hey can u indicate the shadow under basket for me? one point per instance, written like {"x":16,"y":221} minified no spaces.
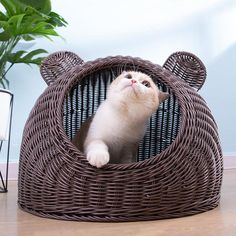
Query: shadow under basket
{"x":179,"y":163}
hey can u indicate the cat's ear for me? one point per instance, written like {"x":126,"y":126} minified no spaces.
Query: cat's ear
{"x":163,"y":96}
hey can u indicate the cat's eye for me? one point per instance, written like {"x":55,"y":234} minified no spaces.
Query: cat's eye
{"x":146,"y":84}
{"x":128,"y":76}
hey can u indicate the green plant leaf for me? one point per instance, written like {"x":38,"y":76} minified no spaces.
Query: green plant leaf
{"x":5,"y":36}
{"x":9,"y":6}
{"x":13,"y":57}
{"x":27,"y":58}
{"x":22,"y":25}
{"x":3,"y":17}
{"x":25,"y":20}
{"x":5,"y":25}
{"x":13,"y":7}
{"x":34,"y":53}
{"x":15,"y":23}
{"x":28,"y":37}
{"x":43,"y":6}
{"x":44,"y":29}
{"x":56,"y":20}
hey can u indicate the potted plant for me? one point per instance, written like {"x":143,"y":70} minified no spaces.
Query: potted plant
{"x":24,"y":20}
{"x":20,"y":21}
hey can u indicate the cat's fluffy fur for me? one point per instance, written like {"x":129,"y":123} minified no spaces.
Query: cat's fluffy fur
{"x":120,"y":121}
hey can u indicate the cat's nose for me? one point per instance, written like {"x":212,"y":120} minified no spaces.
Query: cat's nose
{"x":133,"y":81}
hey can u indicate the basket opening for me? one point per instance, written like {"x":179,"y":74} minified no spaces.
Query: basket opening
{"x":84,"y":98}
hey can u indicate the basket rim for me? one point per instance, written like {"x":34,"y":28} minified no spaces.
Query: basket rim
{"x":177,"y":86}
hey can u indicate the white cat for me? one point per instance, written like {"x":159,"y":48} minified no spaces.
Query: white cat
{"x":120,"y":121}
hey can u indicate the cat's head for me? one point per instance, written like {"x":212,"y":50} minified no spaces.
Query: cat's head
{"x":136,"y":87}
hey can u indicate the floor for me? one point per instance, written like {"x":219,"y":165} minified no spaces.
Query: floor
{"x":218,"y":222}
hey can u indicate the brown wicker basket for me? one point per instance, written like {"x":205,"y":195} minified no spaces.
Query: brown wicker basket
{"x":179,"y":166}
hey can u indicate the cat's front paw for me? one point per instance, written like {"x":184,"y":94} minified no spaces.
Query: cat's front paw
{"x":98,"y":158}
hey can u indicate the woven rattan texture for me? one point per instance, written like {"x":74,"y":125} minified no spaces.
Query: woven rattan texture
{"x":57,"y":64}
{"x":55,"y":180}
{"x":188,"y":67}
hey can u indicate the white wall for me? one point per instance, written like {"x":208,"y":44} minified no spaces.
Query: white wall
{"x":151,"y":29}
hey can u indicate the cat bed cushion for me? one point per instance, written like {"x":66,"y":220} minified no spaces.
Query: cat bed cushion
{"x":179,"y":166}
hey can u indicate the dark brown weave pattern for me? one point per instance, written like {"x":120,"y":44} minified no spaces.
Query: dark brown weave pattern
{"x":188,"y":67}
{"x":57,"y":64}
{"x":55,"y":180}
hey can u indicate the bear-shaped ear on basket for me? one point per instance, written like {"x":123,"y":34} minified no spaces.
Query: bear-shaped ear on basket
{"x":185,"y":65}
{"x":57,"y":64}
{"x":188,"y":67}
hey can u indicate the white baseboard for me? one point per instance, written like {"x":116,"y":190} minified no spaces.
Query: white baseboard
{"x":229,"y":163}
